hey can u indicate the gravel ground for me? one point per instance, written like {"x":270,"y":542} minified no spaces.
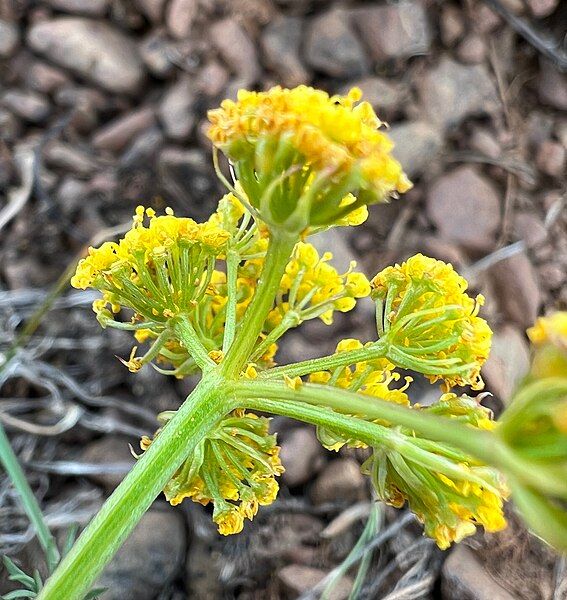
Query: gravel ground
{"x":102,"y":106}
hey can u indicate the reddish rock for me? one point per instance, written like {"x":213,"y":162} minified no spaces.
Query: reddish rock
{"x":451,"y":92}
{"x":118,"y":133}
{"x":385,"y":95}
{"x":465,"y":578}
{"x":180,"y":16}
{"x":281,"y":41}
{"x":416,"y":145}
{"x":552,"y":86}
{"x":301,"y":455}
{"x":508,"y":363}
{"x":299,"y":579}
{"x":396,"y":30}
{"x":472,"y":50}
{"x":153,"y":9}
{"x":176,"y":110}
{"x":465,"y":208}
{"x":542,"y":8}
{"x":9,"y":38}
{"x":45,"y":78}
{"x":28,"y":105}
{"x":236,"y":49}
{"x":332,"y":47}
{"x":530,"y":228}
{"x":518,"y":290}
{"x":452,"y":24}
{"x":212,"y":78}
{"x":550,"y":159}
{"x":92,"y":49}
{"x":340,"y":479}
{"x":156,"y":52}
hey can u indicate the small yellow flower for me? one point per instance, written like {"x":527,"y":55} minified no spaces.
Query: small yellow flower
{"x":234,"y":468}
{"x":317,"y":148}
{"x":432,"y":324}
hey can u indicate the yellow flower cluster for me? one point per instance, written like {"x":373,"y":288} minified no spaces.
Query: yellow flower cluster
{"x":315,"y":146}
{"x":432,"y":324}
{"x":311,"y":288}
{"x":549,"y":339}
{"x":157,"y":269}
{"x":234,"y":468}
{"x":452,"y":500}
{"x":550,"y":329}
{"x":374,"y":378}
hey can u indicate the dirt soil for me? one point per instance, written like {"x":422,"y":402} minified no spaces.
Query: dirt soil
{"x":102,"y":107}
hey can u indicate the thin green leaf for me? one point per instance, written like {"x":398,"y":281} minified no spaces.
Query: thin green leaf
{"x":94,"y":594}
{"x":37,"y":578}
{"x":16,"y":574}
{"x":70,"y":539}
{"x":19,"y":594}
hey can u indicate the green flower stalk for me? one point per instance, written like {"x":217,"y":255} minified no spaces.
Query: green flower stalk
{"x":216,"y":297}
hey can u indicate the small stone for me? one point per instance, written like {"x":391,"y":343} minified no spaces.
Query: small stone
{"x":394,"y":31}
{"x":441,"y":249}
{"x":92,"y":49}
{"x":464,"y":577}
{"x":281,"y":41}
{"x":518,"y":290}
{"x":341,"y":480}
{"x":109,"y":450}
{"x":542,"y":8}
{"x":530,"y":228}
{"x":212,"y":79}
{"x":71,"y":194}
{"x":60,"y":155}
{"x":550,"y":158}
{"x":472,"y":50}
{"x":153,"y":9}
{"x":299,"y":579}
{"x":485,"y":142}
{"x":417,"y":145}
{"x":553,"y":275}
{"x":452,"y":24}
{"x":149,"y":560}
{"x":508,"y":363}
{"x":236,"y":49}
{"x":155,"y":51}
{"x":187,"y":176}
{"x":118,"y":133}
{"x":10,"y":126}
{"x":301,"y":455}
{"x":176,"y":109}
{"x":9,"y":38}
{"x":92,"y":8}
{"x":486,"y":19}
{"x":332,"y":48}
{"x":28,"y":105}
{"x":451,"y":92}
{"x":385,"y":95}
{"x":45,"y":78}
{"x":552,"y":86}
{"x":465,"y":208}
{"x":180,"y":16}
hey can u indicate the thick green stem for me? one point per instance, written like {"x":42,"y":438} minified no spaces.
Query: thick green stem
{"x":10,"y":462}
{"x":277,"y":257}
{"x":232,"y":260}
{"x":190,"y":339}
{"x":441,"y":429}
{"x":376,"y":350}
{"x":121,"y":512}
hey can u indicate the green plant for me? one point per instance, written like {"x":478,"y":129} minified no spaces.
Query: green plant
{"x":214,"y":298}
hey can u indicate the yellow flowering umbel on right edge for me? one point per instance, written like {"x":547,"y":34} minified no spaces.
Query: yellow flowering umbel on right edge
{"x":298,"y":154}
{"x":450,"y":493}
{"x":234,"y":468}
{"x":431,"y":324}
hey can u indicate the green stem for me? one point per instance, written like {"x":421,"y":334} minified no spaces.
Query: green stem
{"x":441,"y":429}
{"x":372,"y":352}
{"x":232,"y":260}
{"x":10,"y":462}
{"x":191,"y":341}
{"x":277,"y":256}
{"x":121,"y":512}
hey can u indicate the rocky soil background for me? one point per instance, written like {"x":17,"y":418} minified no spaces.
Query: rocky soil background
{"x":102,"y":106}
